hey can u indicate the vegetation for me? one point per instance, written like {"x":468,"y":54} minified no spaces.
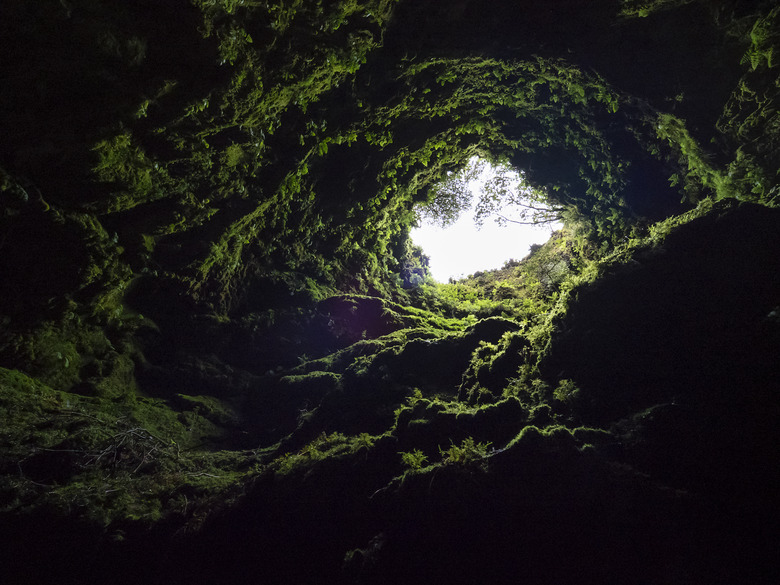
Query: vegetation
{"x":414,"y":459}
{"x":503,"y":188}
{"x":467,"y":453}
{"x":221,"y":357}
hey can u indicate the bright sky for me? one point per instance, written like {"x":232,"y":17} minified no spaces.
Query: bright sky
{"x":462,"y":249}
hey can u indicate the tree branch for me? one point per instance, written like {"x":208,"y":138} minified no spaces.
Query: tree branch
{"x":533,"y":222}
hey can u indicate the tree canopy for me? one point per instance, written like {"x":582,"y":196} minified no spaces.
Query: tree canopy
{"x":501,"y":192}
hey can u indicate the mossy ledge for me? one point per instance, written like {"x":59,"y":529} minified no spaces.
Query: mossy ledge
{"x":222,"y":360}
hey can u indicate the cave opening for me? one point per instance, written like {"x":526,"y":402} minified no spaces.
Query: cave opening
{"x":480,"y":218}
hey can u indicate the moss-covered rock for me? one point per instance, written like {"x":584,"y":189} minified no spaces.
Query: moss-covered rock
{"x":222,"y":359}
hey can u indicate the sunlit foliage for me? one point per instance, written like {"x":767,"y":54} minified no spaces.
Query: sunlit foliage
{"x":502,"y":195}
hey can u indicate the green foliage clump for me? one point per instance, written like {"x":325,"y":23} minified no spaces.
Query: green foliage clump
{"x":126,"y":167}
{"x":698,"y":176}
{"x":491,"y":366}
{"x":466,"y":454}
{"x":414,"y":460}
{"x":764,"y":39}
{"x":750,"y":118}
{"x":566,"y":391}
{"x":326,"y":446}
{"x":449,"y":198}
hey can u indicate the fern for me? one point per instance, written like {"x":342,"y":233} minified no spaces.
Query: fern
{"x":413,"y":459}
{"x":467,"y":453}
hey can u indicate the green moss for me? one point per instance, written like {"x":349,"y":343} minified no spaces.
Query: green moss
{"x":246,"y":175}
{"x":566,"y":391}
{"x":332,"y":446}
{"x":106,"y":461}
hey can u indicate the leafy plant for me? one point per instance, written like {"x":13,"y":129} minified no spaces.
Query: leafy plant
{"x":363,"y":441}
{"x":467,"y":453}
{"x":413,"y":459}
{"x":503,"y":195}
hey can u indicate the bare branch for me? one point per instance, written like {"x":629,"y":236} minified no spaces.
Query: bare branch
{"x":532,"y":222}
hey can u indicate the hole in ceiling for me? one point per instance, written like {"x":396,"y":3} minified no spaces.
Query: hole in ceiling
{"x":480,"y":218}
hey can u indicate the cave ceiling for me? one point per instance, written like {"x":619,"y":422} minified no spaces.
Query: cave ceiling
{"x":220,"y":143}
